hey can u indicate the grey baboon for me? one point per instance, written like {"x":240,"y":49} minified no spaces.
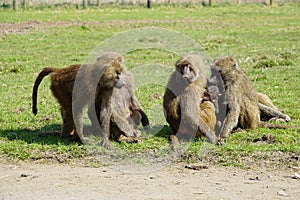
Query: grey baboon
{"x":216,"y":90}
{"x":77,"y":86}
{"x":183,"y":97}
{"x":241,"y":98}
{"x":127,"y":112}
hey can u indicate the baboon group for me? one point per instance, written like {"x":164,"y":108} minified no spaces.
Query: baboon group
{"x":194,"y":104}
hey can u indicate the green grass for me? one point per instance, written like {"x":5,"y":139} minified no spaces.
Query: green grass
{"x":264,"y":39}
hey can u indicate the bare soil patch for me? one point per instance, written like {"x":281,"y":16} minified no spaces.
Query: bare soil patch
{"x":58,"y":181}
{"x":7,"y":28}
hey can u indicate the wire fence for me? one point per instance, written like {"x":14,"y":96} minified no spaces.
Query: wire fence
{"x":85,"y":3}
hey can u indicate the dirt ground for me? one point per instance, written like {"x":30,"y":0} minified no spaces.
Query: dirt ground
{"x":57,"y":181}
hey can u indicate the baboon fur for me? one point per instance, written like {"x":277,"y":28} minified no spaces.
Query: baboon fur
{"x":183,"y":97}
{"x":77,"y":86}
{"x":127,"y":112}
{"x":241,"y":98}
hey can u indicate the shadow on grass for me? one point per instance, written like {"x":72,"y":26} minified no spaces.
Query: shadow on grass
{"x":34,"y":136}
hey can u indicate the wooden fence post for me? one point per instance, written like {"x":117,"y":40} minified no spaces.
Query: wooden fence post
{"x":211,"y":2}
{"x":14,"y":4}
{"x":24,"y":4}
{"x":149,"y":4}
{"x":271,"y":2}
{"x":84,"y":4}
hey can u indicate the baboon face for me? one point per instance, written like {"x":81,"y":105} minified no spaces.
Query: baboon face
{"x":226,"y":64}
{"x":186,"y":68}
{"x":114,"y":74}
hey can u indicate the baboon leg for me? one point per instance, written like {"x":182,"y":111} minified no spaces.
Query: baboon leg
{"x":190,"y":116}
{"x":123,"y":125}
{"x":135,"y":119}
{"x":272,"y":113}
{"x":78,"y":120}
{"x":174,"y":142}
{"x":77,"y":108}
{"x":104,"y":117}
{"x":135,"y":106}
{"x":253,"y":119}
{"x":230,"y":122}
{"x":68,"y":127}
{"x":93,"y":113}
{"x":208,"y":133}
{"x":265,"y":100}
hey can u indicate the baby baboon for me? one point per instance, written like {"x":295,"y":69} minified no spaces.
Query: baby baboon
{"x":183,"y":96}
{"x":268,"y":111}
{"x":241,"y":98}
{"x":127,"y":112}
{"x":77,"y":86}
{"x":207,"y":114}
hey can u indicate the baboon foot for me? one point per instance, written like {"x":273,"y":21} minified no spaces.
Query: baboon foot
{"x":221,"y":141}
{"x":123,"y":138}
{"x":137,"y":133}
{"x":238,"y":130}
{"x":106,"y":144}
{"x":76,"y":138}
{"x":282,"y":120}
{"x":211,"y":139}
{"x":175,"y":144}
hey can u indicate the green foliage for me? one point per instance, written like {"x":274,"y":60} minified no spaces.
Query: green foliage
{"x":264,"y":39}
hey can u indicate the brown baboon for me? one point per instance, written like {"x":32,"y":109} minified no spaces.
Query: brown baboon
{"x":183,"y":96}
{"x":241,"y":98}
{"x":127,"y":112}
{"x":77,"y":86}
{"x":268,"y":111}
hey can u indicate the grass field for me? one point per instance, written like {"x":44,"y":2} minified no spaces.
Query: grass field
{"x":265,"y":39}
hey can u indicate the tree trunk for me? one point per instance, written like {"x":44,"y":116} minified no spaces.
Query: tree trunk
{"x":211,"y":2}
{"x":271,"y":2}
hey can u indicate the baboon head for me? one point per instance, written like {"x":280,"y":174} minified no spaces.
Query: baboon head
{"x":191,"y":67}
{"x":113,"y":75}
{"x":225,"y":65}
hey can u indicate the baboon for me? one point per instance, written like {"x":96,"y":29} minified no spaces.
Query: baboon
{"x":77,"y":86}
{"x":183,"y":96}
{"x":216,"y":91}
{"x":127,"y":112}
{"x":268,"y":111}
{"x":241,"y":98}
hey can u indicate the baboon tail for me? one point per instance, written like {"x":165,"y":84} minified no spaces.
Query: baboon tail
{"x":145,"y":120}
{"x":38,"y":80}
{"x":269,"y":125}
